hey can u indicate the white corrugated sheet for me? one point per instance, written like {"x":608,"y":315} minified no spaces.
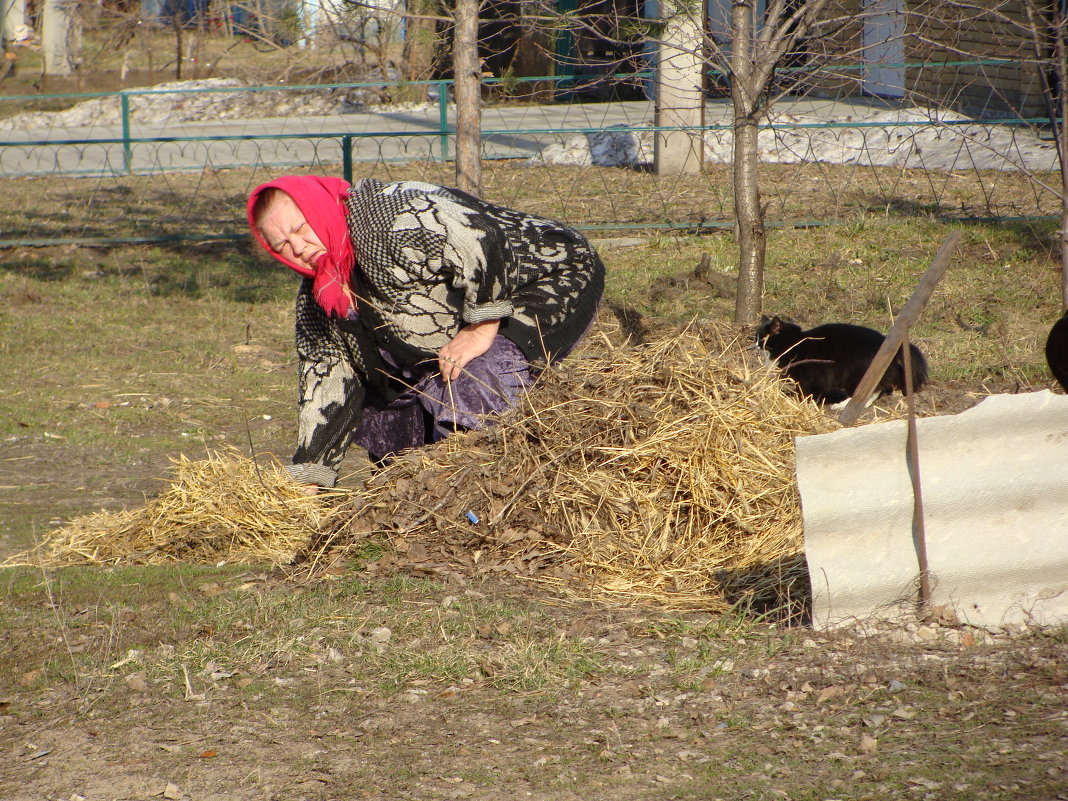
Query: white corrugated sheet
{"x":994,"y":484}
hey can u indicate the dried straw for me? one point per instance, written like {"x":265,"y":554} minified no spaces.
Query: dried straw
{"x":658,"y":473}
{"x":225,"y":507}
{"x":662,"y":473}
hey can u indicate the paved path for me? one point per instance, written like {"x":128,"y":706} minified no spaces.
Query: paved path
{"x":519,"y":131}
{"x":903,"y":137}
{"x":512,"y":132}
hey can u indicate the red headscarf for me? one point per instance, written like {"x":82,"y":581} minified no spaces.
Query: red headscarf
{"x":320,"y":201}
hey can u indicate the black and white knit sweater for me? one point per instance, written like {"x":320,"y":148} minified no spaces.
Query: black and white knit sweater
{"x":430,"y":260}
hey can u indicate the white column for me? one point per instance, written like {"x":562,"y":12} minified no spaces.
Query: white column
{"x":59,"y":35}
{"x":679,"y":94}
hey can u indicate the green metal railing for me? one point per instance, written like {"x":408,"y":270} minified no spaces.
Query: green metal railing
{"x":346,"y":146}
{"x":442,"y":86}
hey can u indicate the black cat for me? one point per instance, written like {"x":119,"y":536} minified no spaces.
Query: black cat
{"x":1057,"y":351}
{"x":828,"y":361}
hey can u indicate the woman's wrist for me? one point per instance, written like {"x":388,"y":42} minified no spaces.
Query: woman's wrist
{"x":486,"y":328}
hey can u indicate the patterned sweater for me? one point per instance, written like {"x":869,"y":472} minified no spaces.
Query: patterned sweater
{"x":430,"y":260}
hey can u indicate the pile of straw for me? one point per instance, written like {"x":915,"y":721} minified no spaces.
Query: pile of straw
{"x":661,"y":473}
{"x":223,"y":508}
{"x":658,"y":473}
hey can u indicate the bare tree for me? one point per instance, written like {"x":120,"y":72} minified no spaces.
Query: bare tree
{"x":750,"y":52}
{"x":468,"y":94}
{"x":422,"y":42}
{"x":178,"y":26}
{"x":753,"y":56}
{"x":1048,"y":27}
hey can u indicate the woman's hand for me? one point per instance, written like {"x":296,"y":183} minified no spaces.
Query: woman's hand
{"x":469,"y":343}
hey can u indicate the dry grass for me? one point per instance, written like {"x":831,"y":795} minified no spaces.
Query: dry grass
{"x":223,"y":508}
{"x":191,"y":205}
{"x":660,"y":473}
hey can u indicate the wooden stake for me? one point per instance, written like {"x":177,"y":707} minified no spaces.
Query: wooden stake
{"x":899,"y":330}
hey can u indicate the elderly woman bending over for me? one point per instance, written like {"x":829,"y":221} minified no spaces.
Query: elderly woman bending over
{"x":422,"y":309}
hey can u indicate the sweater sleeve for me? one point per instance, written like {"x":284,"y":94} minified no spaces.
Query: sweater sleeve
{"x":480,"y":262}
{"x":330,"y":393}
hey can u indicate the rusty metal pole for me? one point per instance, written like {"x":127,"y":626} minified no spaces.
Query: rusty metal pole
{"x":912,"y":459}
{"x":898,"y":337}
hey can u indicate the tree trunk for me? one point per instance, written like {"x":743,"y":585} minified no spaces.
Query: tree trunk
{"x":748,"y":213}
{"x":1061,"y":130}
{"x":468,"y":94}
{"x":749,"y":222}
{"x":59,"y":35}
{"x":176,"y":21}
{"x":530,"y":48}
{"x":420,"y":43}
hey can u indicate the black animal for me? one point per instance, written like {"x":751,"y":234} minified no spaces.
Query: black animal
{"x":1057,"y":351}
{"x":828,"y":361}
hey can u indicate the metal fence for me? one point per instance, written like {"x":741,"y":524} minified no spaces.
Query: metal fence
{"x":176,"y":162}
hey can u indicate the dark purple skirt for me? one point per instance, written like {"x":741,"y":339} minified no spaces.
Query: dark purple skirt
{"x":433,"y":408}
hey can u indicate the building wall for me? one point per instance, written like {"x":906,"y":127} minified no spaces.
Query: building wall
{"x":938,"y":33}
{"x":935,"y":35}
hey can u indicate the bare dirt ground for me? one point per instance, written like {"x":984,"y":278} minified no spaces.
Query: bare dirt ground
{"x":237,"y":682}
{"x":677,"y":707}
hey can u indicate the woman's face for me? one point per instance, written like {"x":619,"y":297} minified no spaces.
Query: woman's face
{"x":287,"y":233}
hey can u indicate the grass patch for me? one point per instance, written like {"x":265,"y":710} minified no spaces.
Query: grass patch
{"x":216,"y":667}
{"x":985,"y":324}
{"x":127,"y":357}
{"x":177,"y":626}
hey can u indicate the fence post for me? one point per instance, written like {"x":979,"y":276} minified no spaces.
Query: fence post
{"x":127,"y":159}
{"x":346,"y":157}
{"x":443,"y":118}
